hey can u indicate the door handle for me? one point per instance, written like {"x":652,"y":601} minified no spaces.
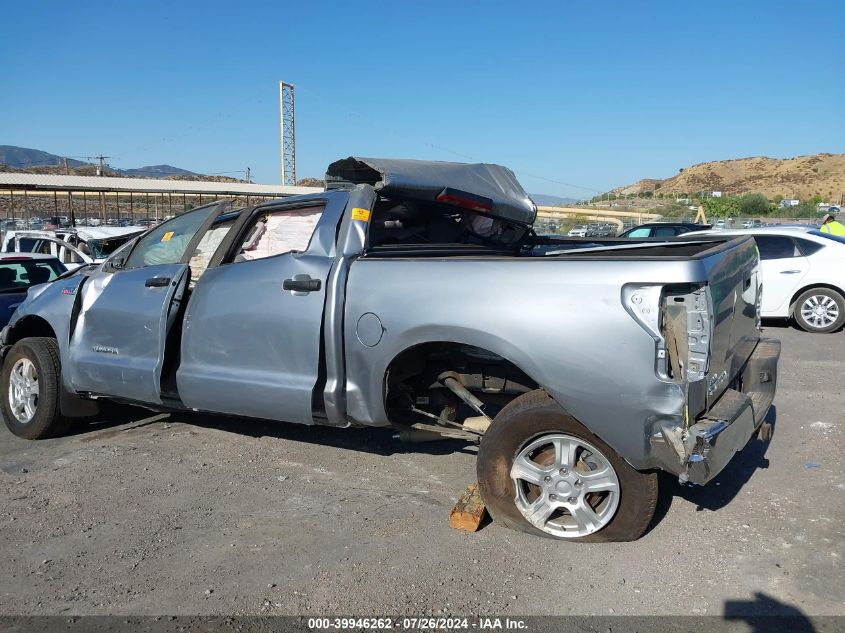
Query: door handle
{"x":789,"y":272}
{"x":301,"y":283}
{"x":157,"y":282}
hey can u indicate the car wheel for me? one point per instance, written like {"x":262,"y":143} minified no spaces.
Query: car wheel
{"x":819,"y":310}
{"x":29,"y":389}
{"x":542,"y":472}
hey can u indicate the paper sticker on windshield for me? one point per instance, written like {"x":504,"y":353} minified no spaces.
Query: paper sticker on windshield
{"x":361,"y":214}
{"x":167,"y":236}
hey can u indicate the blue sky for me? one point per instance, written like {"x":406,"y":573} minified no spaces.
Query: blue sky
{"x":575,"y":97}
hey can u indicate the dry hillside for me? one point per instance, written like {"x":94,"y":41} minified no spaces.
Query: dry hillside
{"x":800,"y":177}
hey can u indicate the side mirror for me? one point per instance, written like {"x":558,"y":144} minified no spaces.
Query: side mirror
{"x":115,"y":264}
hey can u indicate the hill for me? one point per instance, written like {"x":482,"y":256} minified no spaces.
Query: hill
{"x":801,"y":177}
{"x":23,"y":158}
{"x":546,"y":200}
{"x":35,"y":161}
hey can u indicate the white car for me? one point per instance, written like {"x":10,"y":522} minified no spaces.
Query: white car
{"x":578,"y":231}
{"x":73,"y":247}
{"x":803,"y":275}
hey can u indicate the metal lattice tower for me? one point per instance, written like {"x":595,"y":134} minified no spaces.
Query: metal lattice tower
{"x":288,"y":133}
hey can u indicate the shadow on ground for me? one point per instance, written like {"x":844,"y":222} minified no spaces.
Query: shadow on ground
{"x":379,"y":441}
{"x":765,"y":614}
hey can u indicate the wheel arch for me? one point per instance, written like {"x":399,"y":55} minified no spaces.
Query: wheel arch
{"x":794,"y":299}
{"x":30,"y":326}
{"x":413,"y":359}
{"x":420,"y":349}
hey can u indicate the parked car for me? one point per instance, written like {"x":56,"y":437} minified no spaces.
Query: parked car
{"x":803,"y":273}
{"x":18,"y":273}
{"x":663,"y":229}
{"x":44,"y":243}
{"x":74,"y":247}
{"x":578,"y":231}
{"x":752,"y":224}
{"x":370,"y":305}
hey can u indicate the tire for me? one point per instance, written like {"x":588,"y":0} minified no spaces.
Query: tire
{"x":36,"y":362}
{"x":819,"y":310}
{"x":536,"y":420}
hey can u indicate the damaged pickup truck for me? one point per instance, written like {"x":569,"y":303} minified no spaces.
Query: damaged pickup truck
{"x":415,"y":295}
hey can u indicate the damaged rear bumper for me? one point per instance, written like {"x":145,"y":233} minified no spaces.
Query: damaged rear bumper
{"x":732,"y":421}
{"x":698,"y":452}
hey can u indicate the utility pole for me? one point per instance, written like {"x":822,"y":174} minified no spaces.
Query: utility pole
{"x":248,"y":179}
{"x":288,"y":133}
{"x":67,"y":171}
{"x":101,"y":164}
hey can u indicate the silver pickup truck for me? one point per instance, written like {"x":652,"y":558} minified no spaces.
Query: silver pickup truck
{"x":415,"y":295}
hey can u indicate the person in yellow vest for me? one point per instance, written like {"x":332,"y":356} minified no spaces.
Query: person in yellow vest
{"x":830,"y":225}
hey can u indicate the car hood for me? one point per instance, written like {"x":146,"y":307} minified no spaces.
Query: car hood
{"x":425,"y":180}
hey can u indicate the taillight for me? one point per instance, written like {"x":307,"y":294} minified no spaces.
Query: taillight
{"x":465,"y":200}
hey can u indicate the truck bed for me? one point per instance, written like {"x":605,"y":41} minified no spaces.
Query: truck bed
{"x":676,"y":320}
{"x":569,"y":248}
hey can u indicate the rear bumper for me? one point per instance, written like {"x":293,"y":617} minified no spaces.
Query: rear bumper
{"x":732,"y":421}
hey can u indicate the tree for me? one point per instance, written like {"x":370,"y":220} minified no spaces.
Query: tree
{"x":721,"y":207}
{"x":754,"y":204}
{"x":777,"y":199}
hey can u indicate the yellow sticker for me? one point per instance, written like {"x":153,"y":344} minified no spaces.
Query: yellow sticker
{"x":167,"y":236}
{"x":361,"y":214}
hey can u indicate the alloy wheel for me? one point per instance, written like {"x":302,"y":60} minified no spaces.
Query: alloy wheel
{"x":565,"y":486}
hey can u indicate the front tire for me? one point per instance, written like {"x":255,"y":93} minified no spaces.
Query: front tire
{"x":30,"y":388}
{"x":542,"y":472}
{"x":819,"y":310}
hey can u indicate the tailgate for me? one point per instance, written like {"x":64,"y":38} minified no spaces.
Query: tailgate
{"x":711,"y":329}
{"x":735,"y":286}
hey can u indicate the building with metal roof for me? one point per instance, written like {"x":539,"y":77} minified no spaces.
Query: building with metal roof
{"x":57,"y":182}
{"x":24,"y":196}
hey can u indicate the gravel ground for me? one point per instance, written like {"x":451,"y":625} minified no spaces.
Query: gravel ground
{"x":145,"y":514}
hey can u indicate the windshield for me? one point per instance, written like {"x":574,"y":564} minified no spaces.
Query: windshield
{"x":18,"y":275}
{"x":101,"y":249}
{"x":828,"y":236}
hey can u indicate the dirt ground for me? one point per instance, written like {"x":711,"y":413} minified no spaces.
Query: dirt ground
{"x":144,"y":514}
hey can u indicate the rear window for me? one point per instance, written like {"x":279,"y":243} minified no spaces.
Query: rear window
{"x":20,"y":275}
{"x":808,"y":247}
{"x":828,"y":236}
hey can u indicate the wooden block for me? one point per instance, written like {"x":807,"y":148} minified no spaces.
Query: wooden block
{"x":469,"y":511}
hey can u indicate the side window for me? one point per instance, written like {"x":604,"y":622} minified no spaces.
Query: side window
{"x":643,"y":232}
{"x":68,"y":256}
{"x":166,"y":244}
{"x":207,"y":246}
{"x":807,"y":247}
{"x":278,"y":232}
{"x":665,"y":231}
{"x":776,"y":247}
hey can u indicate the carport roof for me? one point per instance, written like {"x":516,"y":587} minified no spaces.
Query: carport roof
{"x":57,"y":182}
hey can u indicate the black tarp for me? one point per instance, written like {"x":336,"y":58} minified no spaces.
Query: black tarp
{"x":425,"y":180}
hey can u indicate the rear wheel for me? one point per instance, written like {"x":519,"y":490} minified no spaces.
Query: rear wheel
{"x":29,"y":389}
{"x":541,"y":471}
{"x":820,"y":310}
